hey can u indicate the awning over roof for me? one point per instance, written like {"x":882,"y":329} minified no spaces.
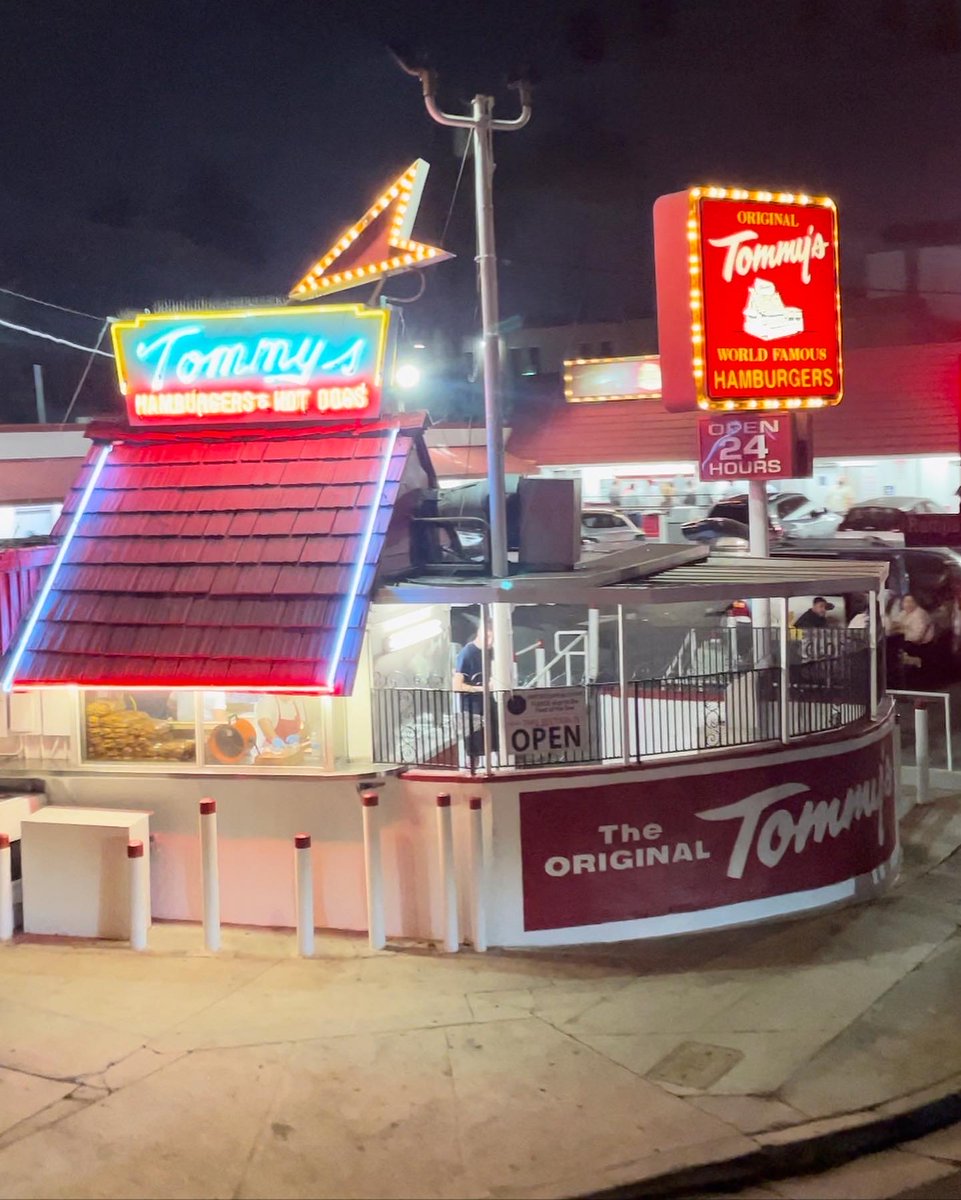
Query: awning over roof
{"x":654,"y":573}
{"x":245,"y":564}
{"x":37,"y":480}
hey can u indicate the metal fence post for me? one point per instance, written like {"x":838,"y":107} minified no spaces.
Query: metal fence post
{"x":622,"y":681}
{"x":785,"y":688}
{"x":922,"y":750}
{"x":873,"y":643}
{"x":899,"y":806}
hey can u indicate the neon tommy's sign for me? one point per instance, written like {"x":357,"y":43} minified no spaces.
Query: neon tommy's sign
{"x":273,"y":364}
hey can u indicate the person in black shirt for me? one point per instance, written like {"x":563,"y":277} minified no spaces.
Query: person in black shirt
{"x":469,"y":683}
{"x":816,"y":616}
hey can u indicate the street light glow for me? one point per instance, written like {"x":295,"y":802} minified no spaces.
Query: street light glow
{"x":407,"y":376}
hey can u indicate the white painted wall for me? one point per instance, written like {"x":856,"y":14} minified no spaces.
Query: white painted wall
{"x":43,"y":443}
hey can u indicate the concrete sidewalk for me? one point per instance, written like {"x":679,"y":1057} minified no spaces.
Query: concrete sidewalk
{"x":411,"y":1073}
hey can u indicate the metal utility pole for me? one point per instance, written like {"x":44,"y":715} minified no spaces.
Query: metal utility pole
{"x":483,"y":126}
{"x":38,"y":392}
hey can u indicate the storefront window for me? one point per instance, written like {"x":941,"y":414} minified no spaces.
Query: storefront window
{"x":155,"y":726}
{"x":237,"y":729}
{"x":263,"y":730}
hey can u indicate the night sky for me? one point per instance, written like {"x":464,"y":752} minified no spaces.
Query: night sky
{"x":178,"y":149}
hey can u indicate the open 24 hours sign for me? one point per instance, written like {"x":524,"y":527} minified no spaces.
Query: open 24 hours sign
{"x":748,"y":300}
{"x":744,"y":445}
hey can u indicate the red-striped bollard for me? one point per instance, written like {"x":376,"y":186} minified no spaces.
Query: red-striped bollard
{"x":376,"y":935}
{"x":210,"y":870}
{"x":304,"y":874}
{"x":6,"y":889}
{"x":478,"y":875}
{"x":139,"y":896}
{"x":448,"y":880}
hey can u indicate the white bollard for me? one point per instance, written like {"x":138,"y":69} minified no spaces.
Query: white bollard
{"x":211,"y":873}
{"x":899,"y":804}
{"x":139,"y":906}
{"x":478,"y":876}
{"x":304,"y":872}
{"x":448,"y":881}
{"x":6,"y":889}
{"x":376,"y":936}
{"x":922,"y":751}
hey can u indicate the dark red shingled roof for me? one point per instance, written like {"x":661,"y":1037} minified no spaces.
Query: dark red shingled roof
{"x":220,"y":562}
{"x":898,"y":400}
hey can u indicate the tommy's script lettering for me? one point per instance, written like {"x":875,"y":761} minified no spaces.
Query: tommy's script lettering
{"x":771,"y":834}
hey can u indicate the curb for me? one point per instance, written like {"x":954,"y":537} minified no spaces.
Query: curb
{"x":806,"y":1149}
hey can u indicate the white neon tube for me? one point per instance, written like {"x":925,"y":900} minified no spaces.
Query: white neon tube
{"x":360,"y":563}
{"x":6,"y":684}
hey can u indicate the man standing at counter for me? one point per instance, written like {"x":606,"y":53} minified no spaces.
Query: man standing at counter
{"x":469,"y":682}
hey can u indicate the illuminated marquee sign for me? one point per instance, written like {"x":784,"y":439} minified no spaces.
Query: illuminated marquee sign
{"x":755,"y":446}
{"x":378,"y":245}
{"x":589,"y":380}
{"x":252,"y":365}
{"x":748,"y":304}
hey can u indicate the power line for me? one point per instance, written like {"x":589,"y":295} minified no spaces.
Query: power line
{"x":47,"y":304}
{"x":453,"y":199}
{"x":60,"y":341}
{"x":86,"y":372}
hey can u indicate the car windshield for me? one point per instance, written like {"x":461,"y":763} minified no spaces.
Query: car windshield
{"x":881,"y":519}
{"x":731,"y":511}
{"x":786,"y":506}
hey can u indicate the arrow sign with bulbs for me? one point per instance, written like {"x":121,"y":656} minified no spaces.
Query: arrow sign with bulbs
{"x":378,"y":245}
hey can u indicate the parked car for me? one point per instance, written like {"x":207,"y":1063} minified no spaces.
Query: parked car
{"x":885,"y":515}
{"x":932,"y":575}
{"x":605,"y":529}
{"x":791,"y":512}
{"x":724,"y":535}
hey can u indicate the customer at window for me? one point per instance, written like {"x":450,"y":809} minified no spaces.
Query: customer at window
{"x":915,"y":623}
{"x":816,"y":616}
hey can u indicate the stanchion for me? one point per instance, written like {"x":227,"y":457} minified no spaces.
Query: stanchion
{"x":478,"y":876}
{"x":922,"y":750}
{"x":899,"y":805}
{"x":304,"y":872}
{"x":211,"y":873}
{"x":6,"y":889}
{"x":376,"y":935}
{"x":139,"y":907}
{"x":448,"y":881}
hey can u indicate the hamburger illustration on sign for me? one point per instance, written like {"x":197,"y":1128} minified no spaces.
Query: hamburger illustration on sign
{"x":767,"y":316}
{"x":748,"y":300}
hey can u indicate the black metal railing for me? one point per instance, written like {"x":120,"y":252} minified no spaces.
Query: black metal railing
{"x":828,"y":685}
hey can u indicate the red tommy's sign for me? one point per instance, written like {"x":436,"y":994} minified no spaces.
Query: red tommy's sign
{"x":747,"y":299}
{"x":625,"y":851}
{"x":755,"y":446}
